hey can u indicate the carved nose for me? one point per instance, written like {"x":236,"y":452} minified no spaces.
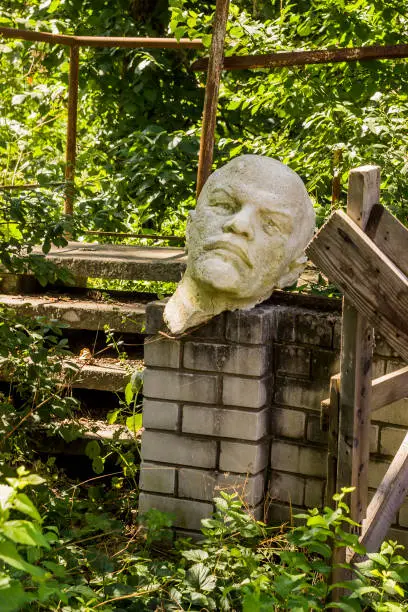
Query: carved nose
{"x":240,"y":223}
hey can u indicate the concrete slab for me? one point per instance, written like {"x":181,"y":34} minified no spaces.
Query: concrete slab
{"x":81,"y":313}
{"x":120,"y":261}
{"x":101,"y":376}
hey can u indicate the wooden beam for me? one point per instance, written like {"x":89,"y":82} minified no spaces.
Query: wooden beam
{"x":384,"y":390}
{"x":333,"y":432}
{"x":356,"y":358}
{"x":389,"y":235}
{"x":207,"y":140}
{"x":389,"y":388}
{"x":386,"y":501}
{"x":284,"y":59}
{"x":374,"y":285}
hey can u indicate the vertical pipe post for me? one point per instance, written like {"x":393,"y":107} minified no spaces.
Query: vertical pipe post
{"x":71,"y":129}
{"x":215,"y":63}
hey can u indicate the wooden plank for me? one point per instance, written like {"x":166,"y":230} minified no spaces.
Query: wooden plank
{"x":356,"y":358}
{"x":333,"y":432}
{"x":384,"y":390}
{"x":389,"y":235}
{"x":374,"y":285}
{"x":207,"y":140}
{"x":389,"y":388}
{"x":283,"y":59}
{"x":386,"y":501}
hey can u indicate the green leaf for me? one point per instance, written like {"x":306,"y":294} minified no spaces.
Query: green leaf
{"x":195,"y":555}
{"x":6,"y":493}
{"x":98,"y":465}
{"x":200,"y":579}
{"x":128,"y":393}
{"x":9,"y":554}
{"x":134,"y":422}
{"x":13,"y":597}
{"x":24,"y":532}
{"x":93,"y":449}
{"x":23,"y":504}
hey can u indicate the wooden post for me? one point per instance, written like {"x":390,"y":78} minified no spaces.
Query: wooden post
{"x":356,"y":358}
{"x":71,"y":129}
{"x":333,"y":433}
{"x":211,"y":93}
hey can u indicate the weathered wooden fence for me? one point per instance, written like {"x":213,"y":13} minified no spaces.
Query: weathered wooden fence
{"x":365,"y":252}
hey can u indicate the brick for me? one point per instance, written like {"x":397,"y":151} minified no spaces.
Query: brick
{"x":392,"y":365}
{"x":258,"y":513}
{"x":314,"y":492}
{"x":181,"y":450}
{"x":244,"y":392}
{"x":213,"y":329}
{"x":391,"y":440}
{"x":378,"y":367}
{"x":204,"y":485}
{"x":324,"y":364}
{"x":157,"y":478}
{"x":374,"y":438}
{"x":280,"y":514}
{"x":337,"y":334}
{"x":225,"y":422}
{"x":401,"y":536}
{"x":154,"y":317}
{"x":243,"y":458}
{"x":169,"y":385}
{"x":229,"y":358}
{"x":287,"y":488}
{"x":403,"y":515}
{"x":187,"y":514}
{"x":314,"y":431}
{"x":287,"y":423}
{"x":293,"y":360}
{"x":250,"y":326}
{"x":383,"y":348}
{"x":160,"y":415}
{"x":300,"y":393}
{"x":395,"y":413}
{"x":162,"y":352}
{"x":376,"y":472}
{"x":299,"y":325}
{"x":300,"y":459}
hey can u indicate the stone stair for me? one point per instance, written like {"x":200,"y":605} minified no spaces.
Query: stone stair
{"x":88,"y":311}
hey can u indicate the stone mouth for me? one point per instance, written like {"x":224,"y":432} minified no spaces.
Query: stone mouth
{"x":231,"y":248}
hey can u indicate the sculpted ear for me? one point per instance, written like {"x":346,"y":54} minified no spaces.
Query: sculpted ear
{"x":292,"y":272}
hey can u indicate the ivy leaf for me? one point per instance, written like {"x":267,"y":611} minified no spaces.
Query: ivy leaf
{"x":195,"y":555}
{"x":92,"y":449}
{"x":98,"y":465}
{"x":200,"y":579}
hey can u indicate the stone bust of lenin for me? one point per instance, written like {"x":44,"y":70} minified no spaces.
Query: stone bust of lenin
{"x":247,"y":236}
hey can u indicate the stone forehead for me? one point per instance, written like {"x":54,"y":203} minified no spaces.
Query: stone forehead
{"x":270,"y":174}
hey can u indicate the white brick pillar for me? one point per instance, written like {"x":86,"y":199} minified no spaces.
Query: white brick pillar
{"x":206,"y":414}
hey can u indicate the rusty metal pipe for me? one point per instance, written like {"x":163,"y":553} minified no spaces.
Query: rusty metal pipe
{"x":71,"y":129}
{"x":301,"y":58}
{"x":100,"y":41}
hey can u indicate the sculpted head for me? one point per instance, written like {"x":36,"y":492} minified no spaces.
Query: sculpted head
{"x":246,"y":237}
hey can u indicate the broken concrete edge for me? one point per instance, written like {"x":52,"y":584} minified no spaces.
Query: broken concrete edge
{"x":81,"y":314}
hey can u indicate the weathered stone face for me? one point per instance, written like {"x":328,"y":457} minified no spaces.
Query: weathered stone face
{"x":247,"y":236}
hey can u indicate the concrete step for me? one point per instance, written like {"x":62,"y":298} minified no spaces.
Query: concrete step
{"x":81,"y":312}
{"x":101,"y":374}
{"x":120,"y":261}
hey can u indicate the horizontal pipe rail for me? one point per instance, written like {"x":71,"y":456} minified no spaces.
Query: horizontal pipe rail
{"x":100,"y":41}
{"x":301,"y":58}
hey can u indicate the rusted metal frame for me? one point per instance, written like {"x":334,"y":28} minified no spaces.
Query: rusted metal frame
{"x":100,"y":41}
{"x":215,"y":62}
{"x":301,"y":58}
{"x":30,"y":186}
{"x":71,"y":129}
